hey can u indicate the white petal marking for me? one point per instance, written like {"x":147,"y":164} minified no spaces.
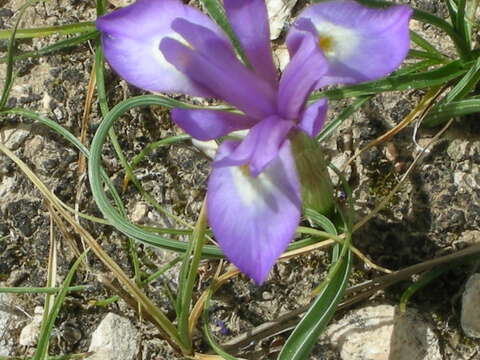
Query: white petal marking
{"x":342,"y":42}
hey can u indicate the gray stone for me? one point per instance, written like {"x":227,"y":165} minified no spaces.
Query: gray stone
{"x":470,"y":317}
{"x":114,"y":339}
{"x":7,"y":319}
{"x":383,"y":333}
{"x":14,"y":138}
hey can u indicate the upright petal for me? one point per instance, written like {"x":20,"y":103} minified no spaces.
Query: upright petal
{"x":313,"y":117}
{"x":249,"y":20}
{"x":210,"y":124}
{"x":260,"y":146}
{"x":254,"y":218}
{"x":303,"y":71}
{"x":131,"y":38}
{"x":360,"y":43}
{"x":211,"y":63}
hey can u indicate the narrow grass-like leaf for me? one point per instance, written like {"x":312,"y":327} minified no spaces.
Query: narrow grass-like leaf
{"x":58,"y":46}
{"x":442,"y":113}
{"x":189,"y":275}
{"x":47,"y":326}
{"x":67,"y":29}
{"x":399,"y":82}
{"x":9,"y":60}
{"x":467,"y":84}
{"x":423,"y":281}
{"x":206,"y":330}
{"x":462,"y":26}
{"x":345,"y":114}
{"x":40,"y":290}
{"x":300,"y":343}
{"x":424,"y":44}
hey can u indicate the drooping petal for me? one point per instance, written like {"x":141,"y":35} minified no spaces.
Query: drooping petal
{"x":131,"y":38}
{"x":260,"y":146}
{"x":212,"y":64}
{"x":249,"y":20}
{"x":303,"y":71}
{"x":254,"y":218}
{"x":360,"y":43}
{"x":313,"y":117}
{"x":209,"y":124}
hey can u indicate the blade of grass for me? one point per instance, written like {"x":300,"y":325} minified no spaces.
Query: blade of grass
{"x":187,"y":283}
{"x":58,"y":46}
{"x":66,"y":29}
{"x":47,"y":325}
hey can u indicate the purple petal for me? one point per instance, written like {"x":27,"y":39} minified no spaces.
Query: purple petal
{"x":260,"y":146}
{"x":360,"y":43}
{"x":249,"y":20}
{"x":210,"y":124}
{"x":131,"y":37}
{"x":313,"y":117}
{"x":303,"y":71}
{"x":212,"y":64}
{"x":254,"y":218}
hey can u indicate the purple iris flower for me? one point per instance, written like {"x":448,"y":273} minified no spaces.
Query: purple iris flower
{"x":254,"y":192}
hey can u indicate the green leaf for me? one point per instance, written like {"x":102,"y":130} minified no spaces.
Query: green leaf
{"x":47,"y":326}
{"x":408,"y":81}
{"x":58,"y":46}
{"x":49,"y":30}
{"x":300,"y":343}
{"x":442,"y":113}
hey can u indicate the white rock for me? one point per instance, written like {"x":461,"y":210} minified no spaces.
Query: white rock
{"x":29,"y":334}
{"x":383,"y":333}
{"x":281,"y":57}
{"x":13,"y":138}
{"x":470,"y":317}
{"x":139,"y":213}
{"x":114,"y":339}
{"x":278,"y":13}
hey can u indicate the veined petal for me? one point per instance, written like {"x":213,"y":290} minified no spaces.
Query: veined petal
{"x":260,"y":146}
{"x":249,"y":20}
{"x":254,"y":218}
{"x":303,"y":71}
{"x":131,"y":38}
{"x":211,"y":63}
{"x":360,"y":43}
{"x":209,"y":124}
{"x":313,"y":117}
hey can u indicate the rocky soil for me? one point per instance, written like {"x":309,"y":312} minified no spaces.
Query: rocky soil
{"x":436,"y":212}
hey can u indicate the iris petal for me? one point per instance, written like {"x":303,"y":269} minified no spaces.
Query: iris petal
{"x":131,"y":38}
{"x":313,"y":118}
{"x":212,"y":64}
{"x":209,"y":124}
{"x":260,"y":146}
{"x":360,"y":43}
{"x":254,"y":218}
{"x":249,"y":21}
{"x":303,"y":71}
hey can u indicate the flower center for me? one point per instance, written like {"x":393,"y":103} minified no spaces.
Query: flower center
{"x":325,"y":43}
